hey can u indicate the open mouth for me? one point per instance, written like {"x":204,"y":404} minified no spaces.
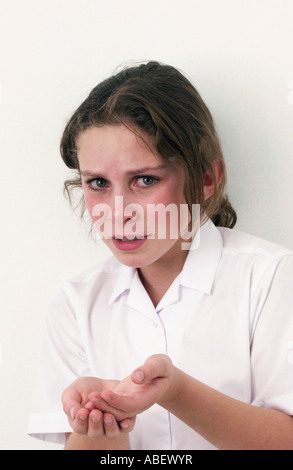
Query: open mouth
{"x":129,"y":243}
{"x":129,"y":239}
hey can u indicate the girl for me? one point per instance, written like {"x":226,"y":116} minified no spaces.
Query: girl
{"x":208,"y":331}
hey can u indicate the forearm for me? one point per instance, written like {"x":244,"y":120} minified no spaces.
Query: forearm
{"x":76,"y":441}
{"x":225,"y":422}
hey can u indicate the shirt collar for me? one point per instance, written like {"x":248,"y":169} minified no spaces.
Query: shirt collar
{"x":198,"y":271}
{"x":124,"y":282}
{"x":201,"y":264}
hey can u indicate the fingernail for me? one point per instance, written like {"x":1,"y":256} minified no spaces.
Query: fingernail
{"x":96,"y":418}
{"x":124,"y":425}
{"x":108,"y":421}
{"x":71,"y":412}
{"x":139,"y":376}
{"x":106,"y":396}
{"x":95,"y":400}
{"x":83,"y":416}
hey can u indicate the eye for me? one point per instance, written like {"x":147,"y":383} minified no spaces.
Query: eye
{"x":146,"y":180}
{"x":97,"y":183}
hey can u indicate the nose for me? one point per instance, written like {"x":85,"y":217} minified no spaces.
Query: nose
{"x":124,"y":212}
{"x":118,"y":217}
{"x":110,"y":217}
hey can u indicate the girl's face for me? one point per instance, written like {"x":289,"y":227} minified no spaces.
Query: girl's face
{"x":118,"y":170}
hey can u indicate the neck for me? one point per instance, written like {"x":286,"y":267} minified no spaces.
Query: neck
{"x":158,"y":277}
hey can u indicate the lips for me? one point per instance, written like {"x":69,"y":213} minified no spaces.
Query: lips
{"x":127,"y":244}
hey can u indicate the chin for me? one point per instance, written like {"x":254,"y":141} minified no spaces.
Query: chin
{"x":132,"y":261}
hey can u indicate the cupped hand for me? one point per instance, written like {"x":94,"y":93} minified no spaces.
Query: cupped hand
{"x":146,"y":386}
{"x":83,"y":417}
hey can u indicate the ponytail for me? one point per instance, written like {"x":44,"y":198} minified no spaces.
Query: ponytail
{"x":225,"y":216}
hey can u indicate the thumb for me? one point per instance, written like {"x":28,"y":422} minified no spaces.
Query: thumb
{"x":158,"y":365}
{"x":71,"y":400}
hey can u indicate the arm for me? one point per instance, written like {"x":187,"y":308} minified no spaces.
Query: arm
{"x":92,"y":429}
{"x":225,"y":422}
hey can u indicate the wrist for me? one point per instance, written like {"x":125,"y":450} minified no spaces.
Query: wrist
{"x":174,"y":389}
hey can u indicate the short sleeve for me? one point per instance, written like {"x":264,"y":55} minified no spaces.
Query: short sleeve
{"x":272,"y":342}
{"x":63,"y":360}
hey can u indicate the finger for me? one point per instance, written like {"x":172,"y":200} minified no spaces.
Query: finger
{"x":71,"y":401}
{"x":71,"y":410}
{"x":111,"y":426}
{"x":106,"y":407}
{"x":95,"y":424}
{"x":120,"y":406}
{"x":89,"y":406}
{"x":94,"y":397}
{"x":96,"y":400}
{"x":127,"y":425}
{"x":80,"y":423}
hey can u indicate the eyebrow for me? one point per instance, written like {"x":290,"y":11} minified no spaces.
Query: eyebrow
{"x":138,"y":171}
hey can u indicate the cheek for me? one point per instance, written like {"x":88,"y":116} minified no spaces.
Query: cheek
{"x":173,"y":194}
{"x":164,"y":223}
{"x":90,"y":201}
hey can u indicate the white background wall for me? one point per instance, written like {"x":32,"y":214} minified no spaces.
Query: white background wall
{"x":239,"y":55}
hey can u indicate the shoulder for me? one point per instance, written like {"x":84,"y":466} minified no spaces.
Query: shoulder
{"x":255,"y":259}
{"x":96,"y":277}
{"x":240,"y":243}
{"x":110,"y":267}
{"x":82,"y":291}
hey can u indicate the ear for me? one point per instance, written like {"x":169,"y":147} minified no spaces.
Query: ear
{"x":208,"y":179}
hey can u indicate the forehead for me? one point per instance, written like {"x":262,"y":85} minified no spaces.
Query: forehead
{"x":115,"y":143}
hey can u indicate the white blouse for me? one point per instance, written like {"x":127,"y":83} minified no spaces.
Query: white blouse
{"x":226,"y":320}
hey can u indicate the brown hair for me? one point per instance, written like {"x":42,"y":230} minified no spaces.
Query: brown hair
{"x":159,"y":100}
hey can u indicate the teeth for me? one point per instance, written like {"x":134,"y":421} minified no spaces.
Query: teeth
{"x":129,"y":239}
